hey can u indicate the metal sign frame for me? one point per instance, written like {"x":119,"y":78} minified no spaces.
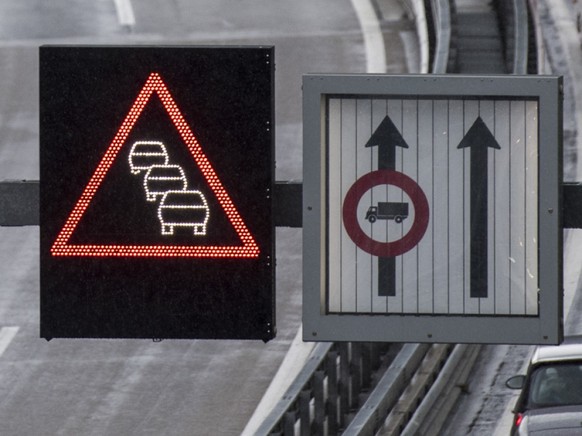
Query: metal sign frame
{"x":319,"y":324}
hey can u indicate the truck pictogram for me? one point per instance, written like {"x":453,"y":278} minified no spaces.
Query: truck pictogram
{"x":396,"y":211}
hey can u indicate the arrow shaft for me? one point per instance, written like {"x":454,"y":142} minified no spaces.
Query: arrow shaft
{"x":387,"y":158}
{"x":386,"y":265}
{"x":386,"y":276}
{"x":479,"y":214}
{"x":386,"y":137}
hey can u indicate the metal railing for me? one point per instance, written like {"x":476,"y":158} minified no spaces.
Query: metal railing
{"x":328,"y":390}
{"x":441,"y":16}
{"x":372,"y":388}
{"x":514,"y":30}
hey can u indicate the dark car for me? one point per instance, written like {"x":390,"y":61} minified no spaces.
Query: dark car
{"x":550,"y":401}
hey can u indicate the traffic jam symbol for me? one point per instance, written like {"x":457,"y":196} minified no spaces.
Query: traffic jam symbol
{"x":179,"y":207}
{"x":164,"y":184}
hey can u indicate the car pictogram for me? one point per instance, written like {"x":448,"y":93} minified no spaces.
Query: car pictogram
{"x":145,"y":154}
{"x":163,"y":178}
{"x":183,"y":209}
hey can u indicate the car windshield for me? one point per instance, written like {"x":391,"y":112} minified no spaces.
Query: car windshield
{"x":556,"y":385}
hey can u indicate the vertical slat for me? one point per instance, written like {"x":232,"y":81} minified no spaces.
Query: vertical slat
{"x":289,"y":424}
{"x":305,"y":412}
{"x":356,"y":370}
{"x":319,"y":401}
{"x":344,"y":384}
{"x":332,"y":393}
{"x":366,"y":365}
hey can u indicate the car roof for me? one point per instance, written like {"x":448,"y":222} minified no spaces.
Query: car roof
{"x":570,"y":349}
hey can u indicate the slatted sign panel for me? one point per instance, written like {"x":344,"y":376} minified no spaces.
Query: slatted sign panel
{"x":434,"y":276}
{"x":432,"y":208}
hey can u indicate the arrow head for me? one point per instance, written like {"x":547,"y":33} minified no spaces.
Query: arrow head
{"x":385,"y":135}
{"x":479,"y":136}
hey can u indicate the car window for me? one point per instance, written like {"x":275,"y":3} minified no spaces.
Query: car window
{"x":556,"y":385}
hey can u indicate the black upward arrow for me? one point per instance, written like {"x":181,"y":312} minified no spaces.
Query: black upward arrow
{"x":480,"y":139}
{"x":386,"y":137}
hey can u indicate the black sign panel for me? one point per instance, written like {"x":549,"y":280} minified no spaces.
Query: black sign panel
{"x":156,"y":178}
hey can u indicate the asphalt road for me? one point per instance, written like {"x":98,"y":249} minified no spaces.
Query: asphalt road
{"x":112,"y":387}
{"x":137,"y":386}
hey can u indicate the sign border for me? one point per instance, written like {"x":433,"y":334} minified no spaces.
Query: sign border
{"x":318,"y":325}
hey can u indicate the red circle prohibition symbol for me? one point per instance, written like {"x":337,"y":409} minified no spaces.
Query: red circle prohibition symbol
{"x":350,"y":216}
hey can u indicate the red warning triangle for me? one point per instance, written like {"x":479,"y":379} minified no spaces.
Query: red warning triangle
{"x":248,"y":247}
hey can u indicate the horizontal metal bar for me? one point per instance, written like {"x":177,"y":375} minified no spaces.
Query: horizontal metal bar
{"x":572,"y":205}
{"x":288,"y":204}
{"x":19,"y":203}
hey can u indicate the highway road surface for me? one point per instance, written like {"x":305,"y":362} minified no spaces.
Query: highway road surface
{"x":122,"y":387}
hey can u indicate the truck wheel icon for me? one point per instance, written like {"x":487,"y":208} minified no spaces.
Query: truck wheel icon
{"x":398,"y":219}
{"x":183,"y":209}
{"x":372,"y":219}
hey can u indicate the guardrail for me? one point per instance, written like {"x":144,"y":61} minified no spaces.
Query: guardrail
{"x":441,"y":15}
{"x":331,"y":386}
{"x":514,"y":28}
{"x":370,"y":388}
{"x":389,"y":390}
{"x":515,"y":31}
{"x":431,"y":414}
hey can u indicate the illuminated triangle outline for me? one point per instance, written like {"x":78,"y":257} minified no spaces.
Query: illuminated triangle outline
{"x":61,"y":246}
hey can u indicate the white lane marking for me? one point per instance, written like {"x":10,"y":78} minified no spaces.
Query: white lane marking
{"x":373,"y":38}
{"x":125,"y":12}
{"x":6,"y":336}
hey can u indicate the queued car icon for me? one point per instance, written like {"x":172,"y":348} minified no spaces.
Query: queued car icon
{"x":161,"y":179}
{"x":183,"y":209}
{"x":145,"y":154}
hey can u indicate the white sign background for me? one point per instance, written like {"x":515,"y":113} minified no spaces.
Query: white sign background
{"x":434,"y":277}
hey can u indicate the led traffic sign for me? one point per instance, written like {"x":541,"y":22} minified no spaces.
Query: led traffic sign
{"x":156,"y":181}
